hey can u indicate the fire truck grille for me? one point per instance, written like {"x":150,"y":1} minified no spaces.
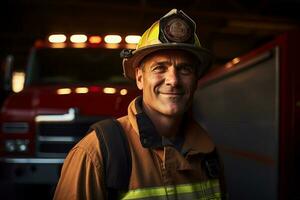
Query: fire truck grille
{"x":55,"y":139}
{"x":63,"y":129}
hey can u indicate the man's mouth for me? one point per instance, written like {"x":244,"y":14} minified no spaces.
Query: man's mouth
{"x":171,"y":93}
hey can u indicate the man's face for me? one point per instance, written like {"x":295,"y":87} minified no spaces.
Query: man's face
{"x":168,"y":80}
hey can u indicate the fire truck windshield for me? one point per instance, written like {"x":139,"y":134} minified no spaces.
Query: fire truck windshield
{"x":75,"y":66}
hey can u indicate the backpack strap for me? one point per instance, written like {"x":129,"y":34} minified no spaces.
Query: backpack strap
{"x":116,"y":155}
{"x":214,"y":170}
{"x":212,"y":164}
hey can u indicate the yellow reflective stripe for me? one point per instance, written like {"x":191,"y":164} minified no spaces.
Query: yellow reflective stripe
{"x":145,"y":192}
{"x":198,"y":187}
{"x":208,"y":189}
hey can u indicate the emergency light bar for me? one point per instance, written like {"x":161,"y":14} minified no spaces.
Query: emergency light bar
{"x":59,"y":40}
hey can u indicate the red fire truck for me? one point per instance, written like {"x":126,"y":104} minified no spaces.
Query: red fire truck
{"x":251,"y":107}
{"x":71,"y":82}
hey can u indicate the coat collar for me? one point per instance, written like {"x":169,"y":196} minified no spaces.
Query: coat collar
{"x":194,"y":138}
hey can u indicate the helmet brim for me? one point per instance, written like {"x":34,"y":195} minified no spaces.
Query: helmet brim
{"x":202,"y":54}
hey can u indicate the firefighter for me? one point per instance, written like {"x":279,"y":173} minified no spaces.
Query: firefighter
{"x":169,"y":155}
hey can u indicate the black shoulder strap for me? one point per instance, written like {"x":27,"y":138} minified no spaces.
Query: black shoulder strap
{"x":115,"y":152}
{"x":215,"y":169}
{"x":212,"y":164}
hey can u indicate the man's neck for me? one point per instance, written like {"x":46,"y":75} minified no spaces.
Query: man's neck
{"x":167,"y":126}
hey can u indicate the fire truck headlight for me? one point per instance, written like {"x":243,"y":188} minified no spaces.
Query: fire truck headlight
{"x":16,"y":145}
{"x":10,"y":146}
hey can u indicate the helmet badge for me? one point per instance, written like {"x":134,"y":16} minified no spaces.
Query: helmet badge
{"x":177,"y":30}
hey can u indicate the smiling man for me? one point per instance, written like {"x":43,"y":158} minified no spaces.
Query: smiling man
{"x":168,"y":81}
{"x":170,"y":155}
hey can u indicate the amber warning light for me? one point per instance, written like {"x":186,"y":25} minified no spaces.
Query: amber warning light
{"x":95,"y":39}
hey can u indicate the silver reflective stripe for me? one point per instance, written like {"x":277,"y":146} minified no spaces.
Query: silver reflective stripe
{"x":204,"y":190}
{"x":70,"y":116}
{"x":33,"y":160}
{"x":57,"y":138}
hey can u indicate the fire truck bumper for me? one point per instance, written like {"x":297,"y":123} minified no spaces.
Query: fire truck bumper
{"x":30,"y":170}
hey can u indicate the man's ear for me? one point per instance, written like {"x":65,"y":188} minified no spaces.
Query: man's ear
{"x":139,"y":77}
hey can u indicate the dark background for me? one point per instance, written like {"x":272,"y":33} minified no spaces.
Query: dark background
{"x":229,"y":28}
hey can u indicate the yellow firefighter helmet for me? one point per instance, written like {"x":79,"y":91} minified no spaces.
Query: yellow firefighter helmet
{"x":175,"y":30}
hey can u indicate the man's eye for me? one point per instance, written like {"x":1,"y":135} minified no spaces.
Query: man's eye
{"x":187,"y":69}
{"x":159,"y":68}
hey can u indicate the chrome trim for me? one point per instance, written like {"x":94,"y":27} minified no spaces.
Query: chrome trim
{"x":242,"y":65}
{"x":33,"y":160}
{"x":255,"y":60}
{"x":15,"y":127}
{"x":70,"y":116}
{"x":277,"y":98}
{"x":57,"y":139}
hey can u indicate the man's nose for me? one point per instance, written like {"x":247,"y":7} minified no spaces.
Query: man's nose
{"x":172,"y":78}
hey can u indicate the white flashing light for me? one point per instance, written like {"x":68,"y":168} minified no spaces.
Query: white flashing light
{"x":63,"y":91}
{"x":78,"y":38}
{"x":70,"y":116}
{"x":109,"y":90}
{"x":57,"y":38}
{"x":112,"y":39}
{"x":132,"y":39}
{"x":82,"y":90}
{"x":123,"y":92}
{"x":18,"y":79}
